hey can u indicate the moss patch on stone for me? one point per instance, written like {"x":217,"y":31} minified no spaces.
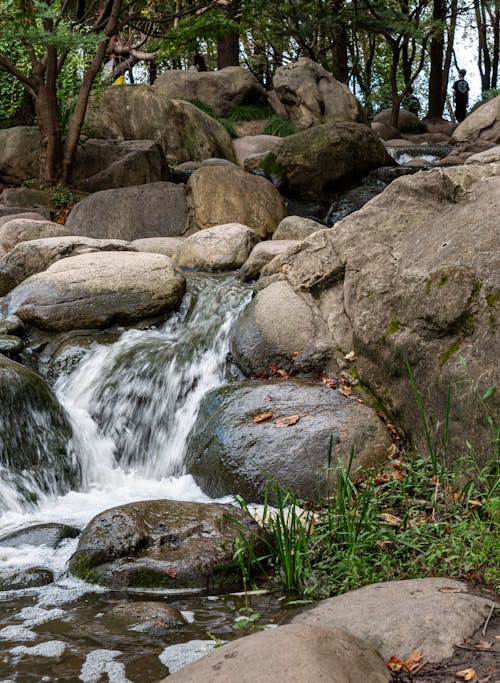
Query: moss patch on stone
{"x":445,"y":356}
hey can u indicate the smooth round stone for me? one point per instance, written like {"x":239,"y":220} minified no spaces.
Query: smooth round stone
{"x":10,"y":344}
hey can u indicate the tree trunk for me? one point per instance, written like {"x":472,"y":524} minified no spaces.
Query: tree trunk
{"x":396,"y":97}
{"x":340,"y":62}
{"x":436,"y":102}
{"x":452,"y":25}
{"x":49,"y":122}
{"x":228,"y":46}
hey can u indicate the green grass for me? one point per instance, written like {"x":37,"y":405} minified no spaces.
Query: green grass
{"x":278,"y":125}
{"x":249,"y":112}
{"x":207,"y":109}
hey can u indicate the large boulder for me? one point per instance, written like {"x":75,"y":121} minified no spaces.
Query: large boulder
{"x":396,"y":618}
{"x":311,"y":95}
{"x":222,"y":90}
{"x":223,"y":247}
{"x":98,"y":289}
{"x":130,"y":213}
{"x":325,"y":159}
{"x":35,"y":435}
{"x":106,"y":164}
{"x":407,"y":119}
{"x":482,"y":124}
{"x":229,"y":452}
{"x":296,"y":228}
{"x":298,"y":652}
{"x":35,"y":256}
{"x":19,"y":230}
{"x":142,"y":112}
{"x":424,"y":286}
{"x":261,"y":255}
{"x":19,"y":150}
{"x":163,"y":544}
{"x":218,"y":195}
{"x":278,"y":328}
{"x":14,"y":200}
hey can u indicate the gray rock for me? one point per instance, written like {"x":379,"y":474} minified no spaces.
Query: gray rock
{"x":21,"y":579}
{"x":35,"y":435}
{"x":222,"y":90}
{"x":35,"y":256}
{"x":230,"y":453}
{"x":261,"y":255}
{"x":19,"y":150}
{"x":154,"y":618}
{"x":26,"y":199}
{"x":184,"y":132}
{"x":400,"y":617}
{"x":481,"y":124}
{"x":278,"y":329}
{"x":250,"y":145}
{"x":218,"y":195}
{"x":50,"y":535}
{"x":406,"y":118}
{"x":223,"y":247}
{"x":489,"y":156}
{"x":158,"y":245}
{"x":416,"y":275}
{"x":12,"y":326}
{"x":325,"y":159}
{"x":107,"y":164}
{"x":312,"y":96}
{"x":22,"y":214}
{"x":163,"y":543}
{"x":97,"y":289}
{"x":25,"y":229}
{"x":130,"y":213}
{"x":304,"y":652}
{"x":10,"y":344}
{"x":296,"y":228}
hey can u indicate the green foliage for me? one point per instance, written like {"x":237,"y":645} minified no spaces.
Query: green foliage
{"x":62,"y":197}
{"x":207,"y":109}
{"x":490,"y":94}
{"x":279,"y":125}
{"x":413,"y":127}
{"x":185,"y":38}
{"x":249,"y":112}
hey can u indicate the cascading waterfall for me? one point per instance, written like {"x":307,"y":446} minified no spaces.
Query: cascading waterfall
{"x":132,"y":404}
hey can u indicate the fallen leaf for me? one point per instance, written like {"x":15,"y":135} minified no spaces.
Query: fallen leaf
{"x":393,"y":520}
{"x":394,"y":664}
{"x":466,"y":674}
{"x":346,"y":390}
{"x":262,"y":417}
{"x":381,"y":478}
{"x":497,"y":637}
{"x":381,"y":544}
{"x":172,"y":572}
{"x":350,"y":356}
{"x":398,"y":475}
{"x":287,"y":421}
{"x":483,"y":645}
{"x":392,"y":451}
{"x":450,"y":590}
{"x":412,"y":661}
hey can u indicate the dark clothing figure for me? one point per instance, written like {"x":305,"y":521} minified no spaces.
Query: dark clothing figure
{"x":461,"y":97}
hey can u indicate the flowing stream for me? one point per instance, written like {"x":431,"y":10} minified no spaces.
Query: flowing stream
{"x":132,"y":405}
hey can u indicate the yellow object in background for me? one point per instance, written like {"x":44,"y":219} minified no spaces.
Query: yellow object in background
{"x":119,"y":81}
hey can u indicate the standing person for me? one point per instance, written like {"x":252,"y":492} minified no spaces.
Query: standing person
{"x":411,"y":101}
{"x":461,"y":96}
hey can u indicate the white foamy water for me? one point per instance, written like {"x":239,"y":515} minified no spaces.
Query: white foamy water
{"x":132,"y":405}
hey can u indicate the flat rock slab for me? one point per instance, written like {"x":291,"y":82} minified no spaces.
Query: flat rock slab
{"x":400,"y":617}
{"x":301,"y":653}
{"x":24,"y":229}
{"x":98,"y":289}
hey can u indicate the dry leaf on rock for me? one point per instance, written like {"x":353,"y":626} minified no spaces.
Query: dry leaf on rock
{"x":287,"y":421}
{"x":450,"y":590}
{"x":346,"y":390}
{"x":466,"y":674}
{"x":262,"y":417}
{"x":394,"y":664}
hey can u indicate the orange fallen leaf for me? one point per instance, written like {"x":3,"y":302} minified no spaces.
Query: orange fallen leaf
{"x":412,"y":661}
{"x":466,"y":674}
{"x":394,"y":664}
{"x":450,"y":590}
{"x":381,"y":478}
{"x":346,"y":390}
{"x":172,"y":572}
{"x":398,"y":475}
{"x":392,"y":451}
{"x":393,"y":520}
{"x":287,"y":421}
{"x":262,"y":417}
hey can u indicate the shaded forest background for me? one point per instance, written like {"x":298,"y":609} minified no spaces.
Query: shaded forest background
{"x":53,"y":52}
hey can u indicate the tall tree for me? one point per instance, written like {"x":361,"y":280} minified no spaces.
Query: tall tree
{"x":228,"y":45}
